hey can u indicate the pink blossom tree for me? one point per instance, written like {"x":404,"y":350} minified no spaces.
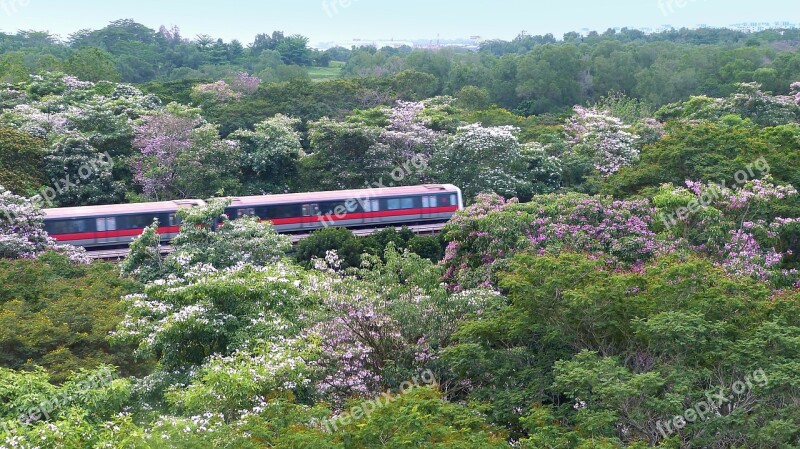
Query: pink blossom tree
{"x":160,"y":139}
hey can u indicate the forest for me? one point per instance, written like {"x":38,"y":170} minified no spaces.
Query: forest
{"x":624,"y":274}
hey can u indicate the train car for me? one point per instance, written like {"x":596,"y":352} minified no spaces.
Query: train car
{"x":378,"y":207}
{"x":118,"y":225}
{"x":113,"y":225}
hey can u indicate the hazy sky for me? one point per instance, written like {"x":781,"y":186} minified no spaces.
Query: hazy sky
{"x":338,"y":20}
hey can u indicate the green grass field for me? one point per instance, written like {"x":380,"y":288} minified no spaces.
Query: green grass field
{"x":326,"y":73}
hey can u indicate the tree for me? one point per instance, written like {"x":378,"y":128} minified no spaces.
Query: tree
{"x":609,"y":354}
{"x":347,"y":153}
{"x":22,"y":234}
{"x":294,"y":50}
{"x":319,"y":244}
{"x":414,"y":86}
{"x":57,"y":315}
{"x":181,"y":156}
{"x":550,"y":77}
{"x":207,"y":239}
{"x":474,"y":98}
{"x":92,"y":64}
{"x":20,"y":161}
{"x":270,"y":154}
{"x":83,"y":176}
{"x":604,"y":139}
{"x":481,"y":160}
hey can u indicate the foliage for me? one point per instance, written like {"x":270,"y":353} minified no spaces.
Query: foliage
{"x":207,"y":239}
{"x":482,"y":160}
{"x":57,"y":315}
{"x":270,"y":153}
{"x":20,"y":159}
{"x":606,"y":354}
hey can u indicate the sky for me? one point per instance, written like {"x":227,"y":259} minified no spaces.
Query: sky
{"x":345,"y":20}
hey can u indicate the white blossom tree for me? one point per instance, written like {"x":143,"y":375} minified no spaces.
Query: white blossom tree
{"x":482,"y":160}
{"x":605,"y":139}
{"x":22,"y":233}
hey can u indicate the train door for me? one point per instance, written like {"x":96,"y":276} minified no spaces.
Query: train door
{"x":428,"y":204}
{"x":104,"y":225}
{"x":370,"y":207}
{"x":312,"y":219}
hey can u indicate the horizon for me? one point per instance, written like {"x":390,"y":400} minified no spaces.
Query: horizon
{"x":334,"y":21}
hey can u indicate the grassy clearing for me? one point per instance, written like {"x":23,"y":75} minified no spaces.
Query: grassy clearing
{"x":326,"y":73}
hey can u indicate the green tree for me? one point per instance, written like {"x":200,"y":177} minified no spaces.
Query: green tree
{"x":316,"y":246}
{"x":270,"y":154}
{"x":20,"y":161}
{"x":57,"y":315}
{"x":92,"y":64}
{"x":414,"y":86}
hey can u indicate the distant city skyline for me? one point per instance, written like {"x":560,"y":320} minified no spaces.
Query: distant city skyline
{"x":345,"y":20}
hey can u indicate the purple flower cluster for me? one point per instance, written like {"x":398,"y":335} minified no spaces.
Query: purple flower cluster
{"x":245,"y":83}
{"x":355,"y":344}
{"x":160,"y":139}
{"x":796,"y":92}
{"x":734,"y":231}
{"x":486,"y":234}
{"x":754,"y":191}
{"x":743,"y":255}
{"x":219,"y":92}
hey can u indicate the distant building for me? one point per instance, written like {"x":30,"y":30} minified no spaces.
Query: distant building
{"x":755,"y":27}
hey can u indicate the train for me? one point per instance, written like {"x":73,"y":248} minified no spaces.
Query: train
{"x":294,"y":213}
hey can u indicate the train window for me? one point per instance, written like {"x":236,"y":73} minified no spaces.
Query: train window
{"x":453,"y":200}
{"x":106,"y":224}
{"x":371,"y":206}
{"x":393,"y":204}
{"x":134,"y":221}
{"x":67,"y":226}
{"x":407,"y":203}
{"x":173,"y":220}
{"x":285,"y":211}
{"x":242,"y":212}
{"x":310,"y":209}
{"x":445,"y":200}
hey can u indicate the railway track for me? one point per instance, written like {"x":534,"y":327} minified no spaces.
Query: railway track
{"x":121,"y":253}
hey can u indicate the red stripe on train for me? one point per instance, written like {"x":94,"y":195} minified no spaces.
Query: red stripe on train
{"x":277,"y":222}
{"x":109,"y":234}
{"x":363,"y":215}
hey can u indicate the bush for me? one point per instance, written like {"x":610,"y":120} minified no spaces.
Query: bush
{"x":343,"y":241}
